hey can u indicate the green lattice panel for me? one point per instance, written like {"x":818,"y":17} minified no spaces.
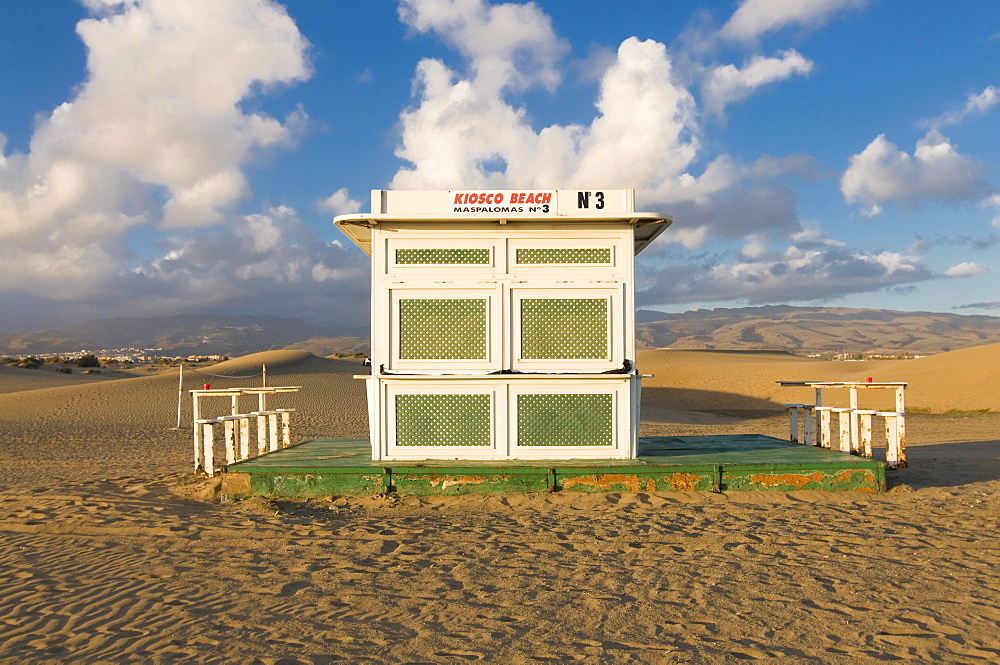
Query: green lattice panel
{"x":442,"y":329}
{"x":564,"y":420}
{"x":564,"y":328}
{"x":442,"y":256}
{"x":442,"y":420}
{"x":565,"y":255}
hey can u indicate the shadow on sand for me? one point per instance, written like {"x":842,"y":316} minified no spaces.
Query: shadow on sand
{"x":949,"y":465}
{"x":681,"y":405}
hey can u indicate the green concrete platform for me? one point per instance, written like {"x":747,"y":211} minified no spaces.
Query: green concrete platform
{"x":343,"y":467}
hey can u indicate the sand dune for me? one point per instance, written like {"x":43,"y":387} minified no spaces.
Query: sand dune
{"x":16,"y":379}
{"x":113,"y":551}
{"x":964,"y":380}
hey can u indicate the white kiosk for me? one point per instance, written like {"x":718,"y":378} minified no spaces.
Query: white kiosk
{"x":503,"y":322}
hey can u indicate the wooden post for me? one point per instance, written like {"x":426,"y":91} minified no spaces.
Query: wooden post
{"x":854,"y":422}
{"x":895,"y":445}
{"x":272,"y":428}
{"x":208,"y":436}
{"x":818,"y":401}
{"x":244,"y":437}
{"x":808,"y":421}
{"x":230,"y":428}
{"x":196,"y":413}
{"x":793,"y":422}
{"x":180,"y":397}
{"x":286,"y":427}
{"x":865,"y":433}
{"x":901,"y":425}
{"x":846,"y":416}
{"x":261,"y":432}
{"x":825,"y":436}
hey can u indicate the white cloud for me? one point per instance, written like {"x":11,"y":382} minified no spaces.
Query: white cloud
{"x":339,"y":203}
{"x":991,"y":201}
{"x":812,"y":234}
{"x":796,"y":274}
{"x":157,"y":129}
{"x":687,"y":237}
{"x":986,"y":304}
{"x":643,"y":135}
{"x":509,"y":45}
{"x":463,"y":131}
{"x":727,"y":84}
{"x":754,"y":18}
{"x":882,"y":173}
{"x":754,"y":247}
{"x":976,"y":104}
{"x":265,"y":262}
{"x":966,"y":269}
{"x":740,"y":209}
{"x":644,"y":131}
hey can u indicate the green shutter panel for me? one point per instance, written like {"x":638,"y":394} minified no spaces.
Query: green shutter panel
{"x":442,"y":329}
{"x":598,"y":255}
{"x":443,"y":420}
{"x":565,"y":420}
{"x":564,"y":328}
{"x":442,"y":256}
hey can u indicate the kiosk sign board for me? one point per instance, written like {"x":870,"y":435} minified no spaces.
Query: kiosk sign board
{"x":533,"y":203}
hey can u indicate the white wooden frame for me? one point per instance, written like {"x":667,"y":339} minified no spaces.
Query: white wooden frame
{"x":615,"y":324}
{"x":620,"y":402}
{"x":494,"y":318}
{"x":436,"y":242}
{"x":498,"y":433}
{"x":616,"y":243}
{"x":503,"y":414}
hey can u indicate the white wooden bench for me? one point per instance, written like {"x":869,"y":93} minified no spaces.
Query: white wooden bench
{"x":273,"y":429}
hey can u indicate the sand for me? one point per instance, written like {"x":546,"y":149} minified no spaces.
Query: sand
{"x":111,"y":550}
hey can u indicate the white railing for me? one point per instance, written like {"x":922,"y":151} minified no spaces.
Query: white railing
{"x":273,"y":427}
{"x":854,"y":432}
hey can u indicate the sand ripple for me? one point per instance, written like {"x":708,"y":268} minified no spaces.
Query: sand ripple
{"x":111,"y":551}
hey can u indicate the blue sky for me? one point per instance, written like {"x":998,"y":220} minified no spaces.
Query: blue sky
{"x":163,"y":156}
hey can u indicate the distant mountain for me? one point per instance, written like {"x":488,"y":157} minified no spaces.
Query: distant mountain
{"x":183,"y":334}
{"x":800,"y":330}
{"x":821,"y":330}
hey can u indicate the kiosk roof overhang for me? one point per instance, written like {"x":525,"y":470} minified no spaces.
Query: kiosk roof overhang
{"x":543,"y":207}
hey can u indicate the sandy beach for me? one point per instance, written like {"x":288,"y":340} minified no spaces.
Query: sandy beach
{"x":112,"y":550}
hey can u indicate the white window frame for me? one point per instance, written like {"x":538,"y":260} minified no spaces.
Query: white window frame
{"x":549,"y":270}
{"x":619,"y":448}
{"x":615,"y":329}
{"x":494,"y":318}
{"x":498,"y":430}
{"x":417,"y":269}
